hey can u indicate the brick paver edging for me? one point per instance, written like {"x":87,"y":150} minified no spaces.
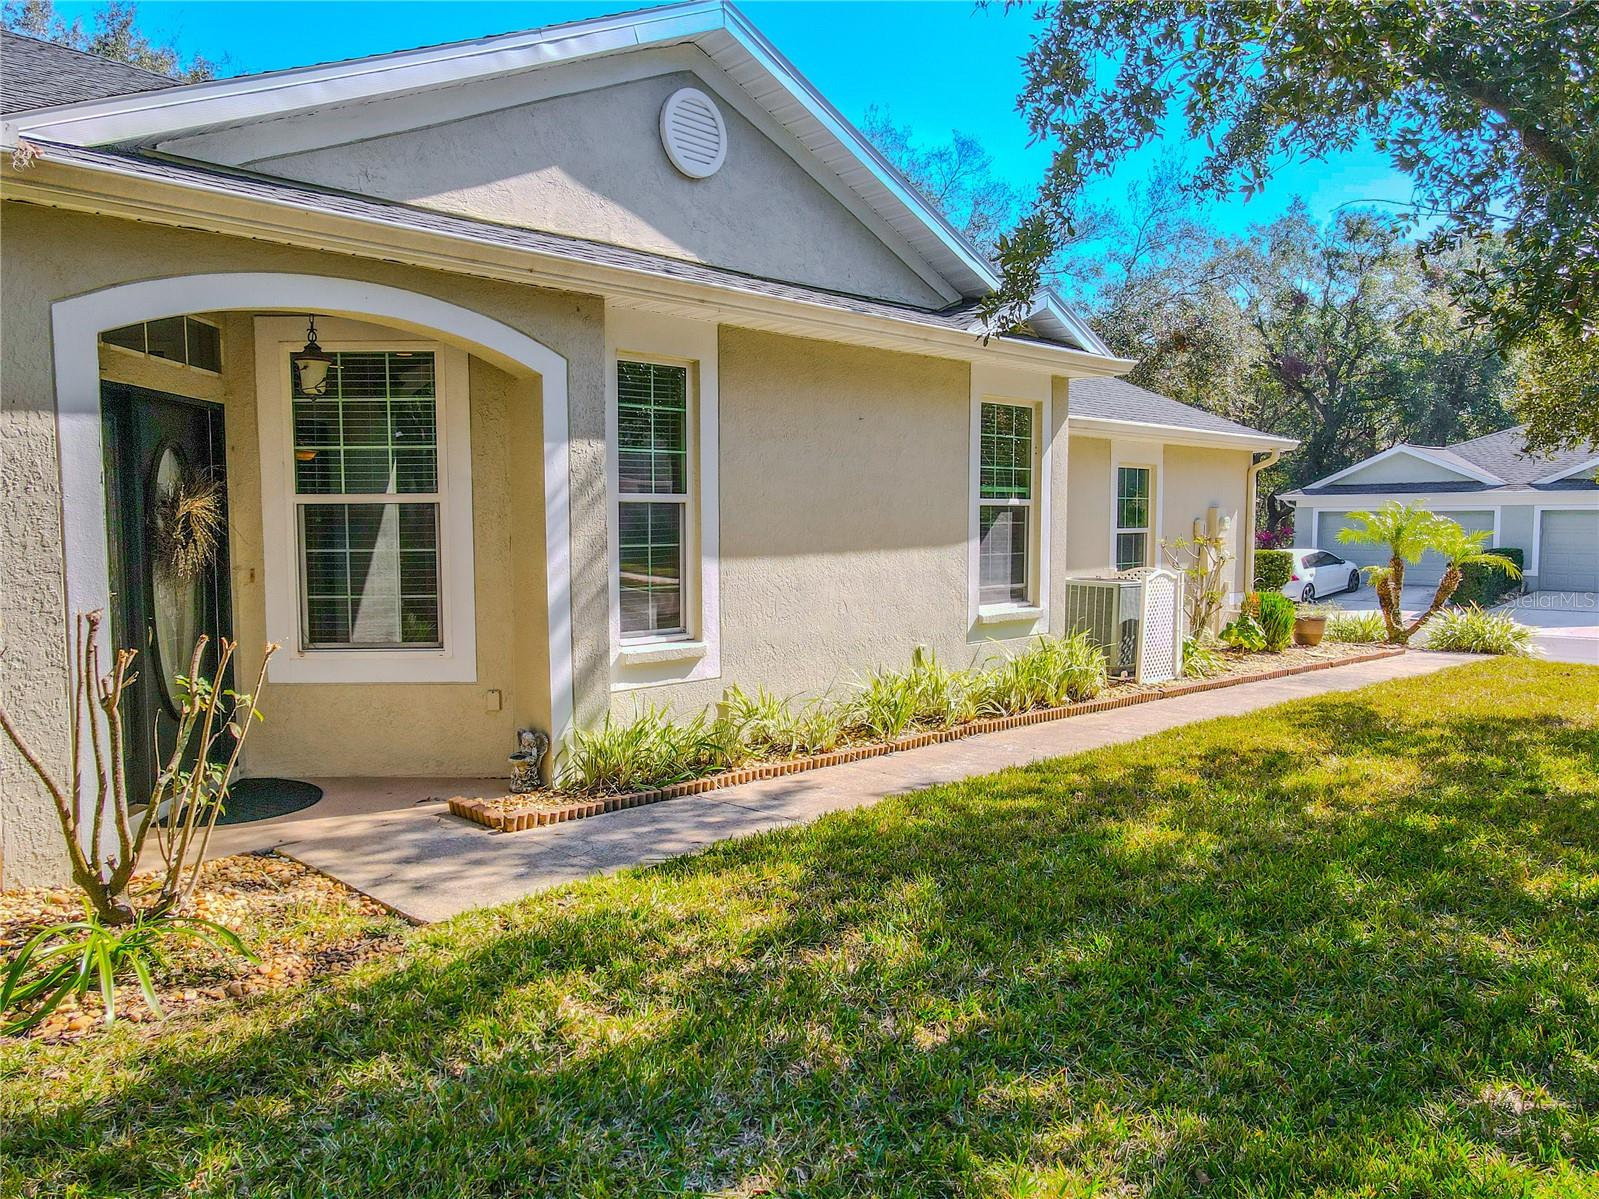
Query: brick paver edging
{"x":483,"y":811}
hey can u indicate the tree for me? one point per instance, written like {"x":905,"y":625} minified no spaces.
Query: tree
{"x":1408,"y":531}
{"x":114,"y":35}
{"x":1490,"y":107}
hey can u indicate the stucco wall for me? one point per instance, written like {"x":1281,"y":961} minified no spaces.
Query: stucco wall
{"x":1189,"y":481}
{"x":51,"y":255}
{"x":591,"y":165}
{"x":1199,"y":479}
{"x":1402,"y":468}
{"x":844,"y":518}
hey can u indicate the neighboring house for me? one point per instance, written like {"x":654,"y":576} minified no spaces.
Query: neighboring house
{"x":638,"y":373}
{"x":1547,"y":506}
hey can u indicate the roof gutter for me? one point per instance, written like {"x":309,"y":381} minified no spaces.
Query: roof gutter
{"x":107,"y":188}
{"x":1221,"y":439}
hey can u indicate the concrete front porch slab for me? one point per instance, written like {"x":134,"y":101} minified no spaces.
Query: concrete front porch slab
{"x":393,"y":840}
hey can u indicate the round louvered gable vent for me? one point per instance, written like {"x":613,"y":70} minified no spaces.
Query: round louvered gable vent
{"x":693,"y":133}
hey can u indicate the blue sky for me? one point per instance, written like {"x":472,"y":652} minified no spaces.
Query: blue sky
{"x":936,"y":66}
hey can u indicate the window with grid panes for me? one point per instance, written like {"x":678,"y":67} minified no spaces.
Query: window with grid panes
{"x":653,"y":487}
{"x":367,"y":498}
{"x":1005,"y":503}
{"x":1132,"y":516}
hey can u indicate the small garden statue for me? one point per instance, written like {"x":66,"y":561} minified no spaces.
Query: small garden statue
{"x":531,"y":746}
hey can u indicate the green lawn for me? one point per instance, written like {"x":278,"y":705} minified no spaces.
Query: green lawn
{"x":1347,"y":946}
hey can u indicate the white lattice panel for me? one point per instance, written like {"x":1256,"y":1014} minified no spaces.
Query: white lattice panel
{"x":1160,"y":648}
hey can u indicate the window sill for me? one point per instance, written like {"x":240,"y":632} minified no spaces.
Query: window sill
{"x":644,"y":652}
{"x":1008,"y":613}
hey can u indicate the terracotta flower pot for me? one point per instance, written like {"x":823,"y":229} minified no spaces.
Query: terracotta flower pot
{"x":1308,"y":630}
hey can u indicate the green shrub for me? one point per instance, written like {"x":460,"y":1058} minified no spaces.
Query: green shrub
{"x":770,"y":726}
{"x":1485,"y":584}
{"x":1244,"y":633}
{"x":1470,"y":630}
{"x":886,"y":705}
{"x":1053,"y":671}
{"x":1272,"y":569}
{"x":1201,"y":659}
{"x":651,"y":750}
{"x":1276,"y":620}
{"x":1357,"y":628}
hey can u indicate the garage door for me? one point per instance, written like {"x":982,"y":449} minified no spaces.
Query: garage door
{"x":1427,"y":572}
{"x":1568,"y":552}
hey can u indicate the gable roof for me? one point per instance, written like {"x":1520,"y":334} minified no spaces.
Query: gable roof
{"x":716,"y":27}
{"x":1495,"y":462}
{"x":39,"y":74}
{"x":1113,"y":406}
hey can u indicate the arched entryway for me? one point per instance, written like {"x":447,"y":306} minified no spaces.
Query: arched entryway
{"x":78,"y":323}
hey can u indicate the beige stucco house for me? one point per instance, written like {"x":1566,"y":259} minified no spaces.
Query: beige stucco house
{"x":637,"y":373}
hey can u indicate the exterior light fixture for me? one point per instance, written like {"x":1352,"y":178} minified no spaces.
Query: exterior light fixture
{"x":311,"y":364}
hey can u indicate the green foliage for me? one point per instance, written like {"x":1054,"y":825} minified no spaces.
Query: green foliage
{"x":1486,"y":583}
{"x":1273,"y":568}
{"x":1384,"y":895}
{"x":1244,"y":633}
{"x":1359,"y":628}
{"x":1470,"y":630}
{"x":770,"y":726}
{"x":651,"y":750}
{"x":1051,"y":672}
{"x":1483,"y":105}
{"x":1201,"y":659}
{"x":115,"y":35}
{"x":84,"y":955}
{"x":1276,"y":620}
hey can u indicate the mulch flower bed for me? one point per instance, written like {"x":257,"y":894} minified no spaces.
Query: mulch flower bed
{"x":301,"y":925}
{"x":516,"y":813}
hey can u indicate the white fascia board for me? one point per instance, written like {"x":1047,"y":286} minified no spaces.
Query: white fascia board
{"x":194,"y":206}
{"x":1464,"y":470}
{"x":219,"y":102}
{"x":150,"y":116}
{"x":1099,"y":426}
{"x":1588,"y":467}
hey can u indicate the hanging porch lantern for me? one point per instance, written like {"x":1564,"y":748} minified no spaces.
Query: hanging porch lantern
{"x":311,"y":364}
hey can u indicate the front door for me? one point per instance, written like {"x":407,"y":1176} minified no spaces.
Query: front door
{"x":166,"y":509}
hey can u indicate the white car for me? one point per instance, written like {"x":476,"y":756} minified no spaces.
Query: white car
{"x":1317,"y":572}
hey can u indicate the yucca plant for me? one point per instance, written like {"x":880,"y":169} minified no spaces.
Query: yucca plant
{"x":84,"y":955}
{"x":1470,"y":630}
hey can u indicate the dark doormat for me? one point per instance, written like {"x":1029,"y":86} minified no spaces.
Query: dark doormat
{"x":261,"y":799}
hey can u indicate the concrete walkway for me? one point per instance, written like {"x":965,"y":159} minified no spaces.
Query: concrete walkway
{"x":428,"y":865}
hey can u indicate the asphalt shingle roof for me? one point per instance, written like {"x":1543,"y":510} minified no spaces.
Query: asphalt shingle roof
{"x":1504,"y":455}
{"x":963,"y":316}
{"x":1117,"y":399}
{"x":39,"y":74}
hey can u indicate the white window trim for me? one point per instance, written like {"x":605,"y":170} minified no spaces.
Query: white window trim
{"x":456,"y":661}
{"x":994,"y":384}
{"x":1150,"y":457}
{"x":695,"y":652}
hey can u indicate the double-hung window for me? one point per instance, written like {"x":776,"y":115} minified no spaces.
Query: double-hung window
{"x":367,"y":503}
{"x":1132,"y":516}
{"x":653,"y":487}
{"x":1005,"y":498}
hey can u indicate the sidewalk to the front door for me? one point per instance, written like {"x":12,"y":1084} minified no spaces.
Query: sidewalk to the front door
{"x":425,"y":864}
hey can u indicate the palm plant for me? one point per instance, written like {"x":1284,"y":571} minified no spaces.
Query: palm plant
{"x":1408,"y":531}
